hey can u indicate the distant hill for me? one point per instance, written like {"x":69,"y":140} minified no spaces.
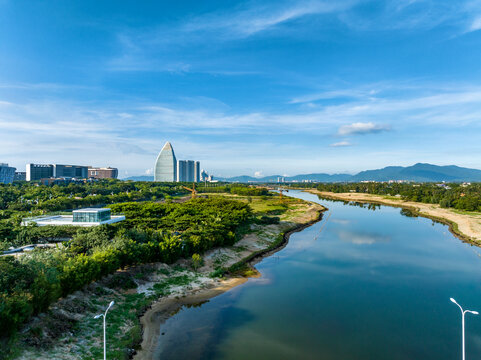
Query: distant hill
{"x":419,"y":172}
{"x":140,"y":178}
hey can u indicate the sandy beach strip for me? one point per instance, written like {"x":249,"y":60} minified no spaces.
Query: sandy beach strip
{"x":465,"y":225}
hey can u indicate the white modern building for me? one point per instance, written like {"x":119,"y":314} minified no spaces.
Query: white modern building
{"x":81,"y":217}
{"x":165,"y":168}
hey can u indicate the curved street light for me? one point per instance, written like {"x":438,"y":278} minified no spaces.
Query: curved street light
{"x":104,"y":315}
{"x":463,"y":312}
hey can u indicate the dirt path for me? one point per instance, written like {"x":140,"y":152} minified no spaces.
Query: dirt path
{"x":465,"y":225}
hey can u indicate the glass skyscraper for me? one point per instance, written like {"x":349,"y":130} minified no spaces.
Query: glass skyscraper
{"x":7,"y":173}
{"x":166,"y":165}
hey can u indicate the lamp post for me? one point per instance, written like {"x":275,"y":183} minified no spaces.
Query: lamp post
{"x":104,"y":315}
{"x":463,"y":312}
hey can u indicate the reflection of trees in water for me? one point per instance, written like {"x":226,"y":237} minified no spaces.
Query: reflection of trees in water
{"x":408,"y":213}
{"x":368,"y":206}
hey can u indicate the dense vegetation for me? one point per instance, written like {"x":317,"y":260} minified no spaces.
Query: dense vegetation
{"x":153,"y":232}
{"x":20,"y":200}
{"x":466,"y":197}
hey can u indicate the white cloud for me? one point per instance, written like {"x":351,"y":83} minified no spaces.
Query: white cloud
{"x":476,"y":24}
{"x":258,"y":174}
{"x":360,"y":128}
{"x":341,"y":144}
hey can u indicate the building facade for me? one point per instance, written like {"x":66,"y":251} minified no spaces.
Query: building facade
{"x":70,"y":171}
{"x":7,"y":173}
{"x":81,"y":217}
{"x":38,"y":171}
{"x":20,"y":176}
{"x":103,"y":173}
{"x":197,"y":171}
{"x":181,"y":171}
{"x":165,"y":168}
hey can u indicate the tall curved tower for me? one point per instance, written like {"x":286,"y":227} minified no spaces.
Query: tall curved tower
{"x":165,"y":168}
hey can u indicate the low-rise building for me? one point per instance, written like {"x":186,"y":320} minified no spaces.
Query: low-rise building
{"x":103,"y":173}
{"x":20,"y":176}
{"x":81,"y":217}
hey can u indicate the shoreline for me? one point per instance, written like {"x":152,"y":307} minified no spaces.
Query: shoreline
{"x":161,"y":310}
{"x":466,"y":227}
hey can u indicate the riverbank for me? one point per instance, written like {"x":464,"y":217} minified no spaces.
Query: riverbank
{"x":465,"y":225}
{"x":152,"y":292}
{"x":262,"y":242}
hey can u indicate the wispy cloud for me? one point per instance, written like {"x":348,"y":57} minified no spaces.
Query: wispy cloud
{"x":360,"y":128}
{"x":144,"y":50}
{"x":341,"y":144}
{"x":252,"y":20}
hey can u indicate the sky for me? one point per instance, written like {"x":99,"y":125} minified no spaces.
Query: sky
{"x":246,"y":87}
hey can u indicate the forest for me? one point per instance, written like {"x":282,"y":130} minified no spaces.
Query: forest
{"x":154,"y":231}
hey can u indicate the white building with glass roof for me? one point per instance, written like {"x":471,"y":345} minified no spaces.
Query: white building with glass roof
{"x":81,"y":217}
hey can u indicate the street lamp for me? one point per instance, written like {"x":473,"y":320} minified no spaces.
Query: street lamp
{"x":463,"y":312}
{"x":104,"y":315}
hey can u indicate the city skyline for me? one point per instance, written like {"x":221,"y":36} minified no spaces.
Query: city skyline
{"x":249,"y":88}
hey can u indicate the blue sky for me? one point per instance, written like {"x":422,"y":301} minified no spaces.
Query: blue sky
{"x":246,"y":87}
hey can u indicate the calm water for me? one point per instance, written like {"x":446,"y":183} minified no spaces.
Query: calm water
{"x":362,"y":284}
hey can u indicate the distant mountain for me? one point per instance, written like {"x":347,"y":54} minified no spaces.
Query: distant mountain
{"x":421,"y":173}
{"x":300,"y":178}
{"x":418,"y":172}
{"x":140,"y":178}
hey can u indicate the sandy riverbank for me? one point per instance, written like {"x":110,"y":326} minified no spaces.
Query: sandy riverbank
{"x":465,"y":225}
{"x":261,"y":242}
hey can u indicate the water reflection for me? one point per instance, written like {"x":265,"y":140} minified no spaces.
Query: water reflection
{"x":362,"y":237}
{"x":375,"y":285}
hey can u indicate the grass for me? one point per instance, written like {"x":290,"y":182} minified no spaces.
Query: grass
{"x":464,"y":212}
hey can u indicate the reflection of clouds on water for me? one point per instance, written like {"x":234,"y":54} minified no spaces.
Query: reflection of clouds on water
{"x":362,"y":238}
{"x":341,"y":221}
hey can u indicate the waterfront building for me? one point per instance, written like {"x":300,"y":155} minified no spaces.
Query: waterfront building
{"x":165,"y":168}
{"x":103,"y":173}
{"x":81,"y":217}
{"x":7,"y":173}
{"x":20,"y":176}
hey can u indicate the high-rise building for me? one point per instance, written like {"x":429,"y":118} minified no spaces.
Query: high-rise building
{"x":7,"y":173}
{"x":103,"y":173}
{"x":181,"y":171}
{"x":38,"y":171}
{"x":190,"y":170}
{"x":197,"y":171}
{"x":165,"y":168}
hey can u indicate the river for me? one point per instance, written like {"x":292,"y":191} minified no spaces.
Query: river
{"x":361,"y":284}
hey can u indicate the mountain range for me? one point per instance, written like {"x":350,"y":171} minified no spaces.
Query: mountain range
{"x":419,"y":172}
